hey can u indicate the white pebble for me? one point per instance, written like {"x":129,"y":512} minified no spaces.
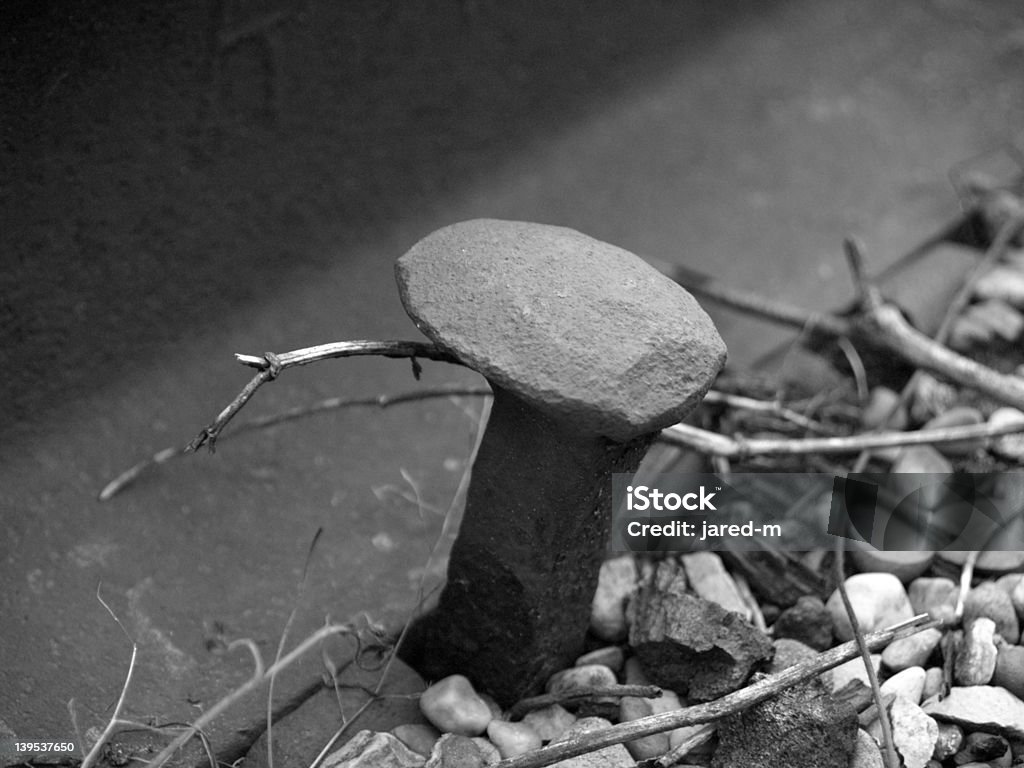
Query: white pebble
{"x":453,"y":706}
{"x":513,"y":739}
{"x":615,"y":586}
{"x":879,"y":600}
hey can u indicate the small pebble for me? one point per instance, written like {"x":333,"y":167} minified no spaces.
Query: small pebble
{"x":654,"y":745}
{"x":809,"y":621}
{"x":913,"y":732}
{"x":615,"y":756}
{"x":513,"y":739}
{"x":866,"y":753}
{"x":934,"y":596}
{"x":610,"y":656}
{"x":488,"y":751}
{"x":931,"y":397}
{"x":550,"y":722}
{"x":881,"y":401}
{"x":905,"y":565}
{"x":976,"y":657}
{"x":634,"y":674}
{"x":959,"y":416}
{"x":709,"y":579}
{"x":453,"y":706}
{"x":1010,"y":669}
{"x":615,"y":586}
{"x":949,"y":741}
{"x":912,"y":651}
{"x":933,"y":682}
{"x":455,"y":750}
{"x":1002,"y":282}
{"x":418,"y":737}
{"x":580,"y":678}
{"x":908,"y":683}
{"x":878,"y":599}
{"x":920,"y":459}
{"x":988,"y":600}
{"x":853,"y":670}
{"x":1010,"y":446}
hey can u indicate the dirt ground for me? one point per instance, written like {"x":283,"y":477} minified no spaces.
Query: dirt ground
{"x":188,"y":179}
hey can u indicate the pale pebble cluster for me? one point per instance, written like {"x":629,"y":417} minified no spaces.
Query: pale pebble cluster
{"x":977,"y":722}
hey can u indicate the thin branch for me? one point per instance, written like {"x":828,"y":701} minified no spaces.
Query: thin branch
{"x":520,"y":708}
{"x":715,"y":444}
{"x":271,"y":364}
{"x":713,"y":710}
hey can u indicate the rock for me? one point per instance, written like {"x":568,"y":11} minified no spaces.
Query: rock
{"x":417,"y":737}
{"x":489,"y":752}
{"x":990,"y":601}
{"x":513,"y":739}
{"x":550,"y":722}
{"x":633,"y":708}
{"x":690,"y":645}
{"x":976,"y":657}
{"x":853,"y":670}
{"x":866,"y":753}
{"x":708,"y":578}
{"x":949,"y":741}
{"x":981,"y":708}
{"x":920,"y":459}
{"x":615,"y":586}
{"x":581,"y":678}
{"x":368,"y":749}
{"x":615,"y":756}
{"x":1010,"y":446}
{"x":1009,"y":671}
{"x":982,"y":747}
{"x":913,"y":733}
{"x":453,"y":706}
{"x":1002,"y":282}
{"x":808,"y":621}
{"x":802,"y":726}
{"x":879,"y":600}
{"x":912,"y":651}
{"x":905,"y":565}
{"x":934,"y":596}
{"x":958,"y":416}
{"x":455,"y":751}
{"x":881,"y":401}
{"x":933,"y":682}
{"x":908,"y":683}
{"x":610,"y":656}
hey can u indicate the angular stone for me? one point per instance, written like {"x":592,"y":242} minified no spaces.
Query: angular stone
{"x":913,"y":733}
{"x":374,"y":750}
{"x":878,"y":599}
{"x":616,"y":584}
{"x":981,"y":708}
{"x":693,"y":646}
{"x":809,"y":621}
{"x":521,"y":303}
{"x":801,"y":727}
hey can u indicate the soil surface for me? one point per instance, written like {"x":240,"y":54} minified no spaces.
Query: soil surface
{"x":184,"y":180}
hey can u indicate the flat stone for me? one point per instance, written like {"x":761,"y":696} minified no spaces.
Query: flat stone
{"x":975,"y":659}
{"x":616,"y":584}
{"x":988,"y":600}
{"x":368,"y":749}
{"x":523,"y":304}
{"x":802,"y":726}
{"x":879,"y":600}
{"x":690,"y":645}
{"x":912,"y":651}
{"x":708,"y":578}
{"x":981,"y":707}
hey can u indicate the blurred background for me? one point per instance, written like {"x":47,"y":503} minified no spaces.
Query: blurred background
{"x":187,"y":179}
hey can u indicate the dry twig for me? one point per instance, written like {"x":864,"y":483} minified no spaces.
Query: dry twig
{"x":520,"y":708}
